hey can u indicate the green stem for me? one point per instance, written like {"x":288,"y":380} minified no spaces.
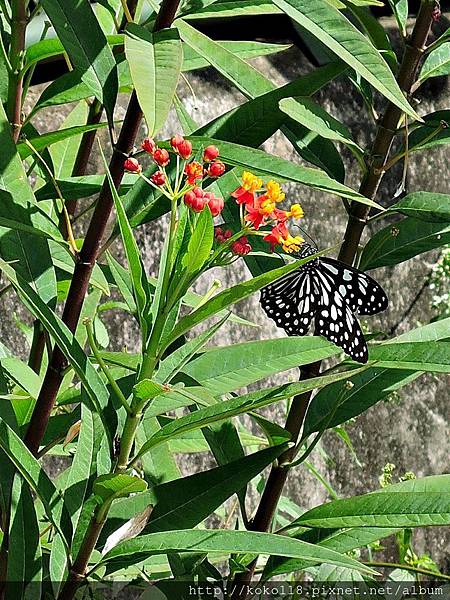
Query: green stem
{"x":151,"y":353}
{"x":101,"y":363}
{"x":127,"y":440}
{"x":406,"y":567}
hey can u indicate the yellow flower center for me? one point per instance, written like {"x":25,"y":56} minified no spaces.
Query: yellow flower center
{"x":250,"y":182}
{"x":296,"y":211}
{"x":274,"y":191}
{"x":292,"y":244}
{"x":267,"y":207}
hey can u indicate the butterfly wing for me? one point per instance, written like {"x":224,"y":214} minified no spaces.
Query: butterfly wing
{"x":291,"y":302}
{"x":362,"y":293}
{"x":336,"y":322}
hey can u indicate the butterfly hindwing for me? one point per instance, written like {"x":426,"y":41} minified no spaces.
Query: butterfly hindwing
{"x":336,"y":322}
{"x":291,"y":302}
{"x":362,"y":293}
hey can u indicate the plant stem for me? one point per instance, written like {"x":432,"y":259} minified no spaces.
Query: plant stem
{"x":406,"y":567}
{"x":16,"y":52}
{"x":112,"y":382}
{"x":357,"y":219}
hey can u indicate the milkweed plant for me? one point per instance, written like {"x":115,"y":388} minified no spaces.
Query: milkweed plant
{"x":96,"y":490}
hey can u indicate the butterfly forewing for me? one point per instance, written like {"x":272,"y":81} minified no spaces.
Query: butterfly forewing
{"x":362,"y":293}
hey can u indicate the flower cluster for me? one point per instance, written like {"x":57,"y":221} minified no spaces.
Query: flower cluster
{"x":189,"y":174}
{"x":260,"y":208}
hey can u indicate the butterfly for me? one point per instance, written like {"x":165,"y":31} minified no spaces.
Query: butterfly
{"x":331,"y":293}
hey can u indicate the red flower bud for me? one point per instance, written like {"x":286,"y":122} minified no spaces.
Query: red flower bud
{"x":158,"y":178}
{"x":241,"y":247}
{"x":161,"y":157}
{"x":149,"y":145}
{"x":216,"y":169}
{"x":210,"y":153}
{"x":215,"y":204}
{"x":195,"y":199}
{"x":181,"y":146}
{"x":132,"y":165}
{"x":185,"y":149}
{"x":175,"y":141}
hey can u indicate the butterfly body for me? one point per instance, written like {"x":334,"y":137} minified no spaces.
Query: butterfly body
{"x":329,"y":292}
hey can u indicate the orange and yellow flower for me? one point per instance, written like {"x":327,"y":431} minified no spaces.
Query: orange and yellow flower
{"x":245,"y":194}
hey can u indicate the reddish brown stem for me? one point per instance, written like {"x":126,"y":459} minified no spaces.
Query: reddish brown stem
{"x":16,"y":51}
{"x":89,"y":252}
{"x":355,"y":226}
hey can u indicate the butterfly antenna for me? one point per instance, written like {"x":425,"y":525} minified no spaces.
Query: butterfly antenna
{"x":306,"y":234}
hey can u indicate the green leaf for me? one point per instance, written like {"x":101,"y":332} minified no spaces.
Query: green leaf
{"x":173,"y":363}
{"x":117,"y":485}
{"x":29,"y":220}
{"x":44,"y":140}
{"x":422,"y":356}
{"x":230,"y":296}
{"x":434,"y":132}
{"x":370,"y":386}
{"x":194,"y":540}
{"x":146,"y":389}
{"x":223,"y":370}
{"x":341,"y":541}
{"x":92,"y":382}
{"x":400,"y":10}
{"x":192,"y":60}
{"x":85,"y":43}
{"x":30,"y":254}
{"x":199,"y":246}
{"x":235,"y":406}
{"x":312,"y":116}
{"x":414,"y":503}
{"x":245,"y":77}
{"x":64,"y":153}
{"x":188,"y":501}
{"x":139,"y":281}
{"x":231,"y":8}
{"x":425,"y":206}
{"x":30,"y":469}
{"x":349,"y":44}
{"x":155,"y":61}
{"x":437,"y":63}
{"x":403,"y":240}
{"x":24,"y":557}
{"x":269,"y":165}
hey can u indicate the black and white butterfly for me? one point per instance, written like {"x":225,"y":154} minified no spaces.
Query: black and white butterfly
{"x":331,"y":293}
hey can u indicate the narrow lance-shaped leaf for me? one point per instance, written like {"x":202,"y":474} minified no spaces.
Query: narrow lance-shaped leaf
{"x":85,"y":43}
{"x":137,"y":270}
{"x":273,"y":166}
{"x":195,"y":540}
{"x":155,"y":61}
{"x":312,"y":116}
{"x":403,"y":240}
{"x":235,"y":406}
{"x":414,"y":503}
{"x":334,"y":30}
{"x":425,"y":206}
{"x":30,"y":255}
{"x":92,"y":382}
{"x":37,"y":479}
